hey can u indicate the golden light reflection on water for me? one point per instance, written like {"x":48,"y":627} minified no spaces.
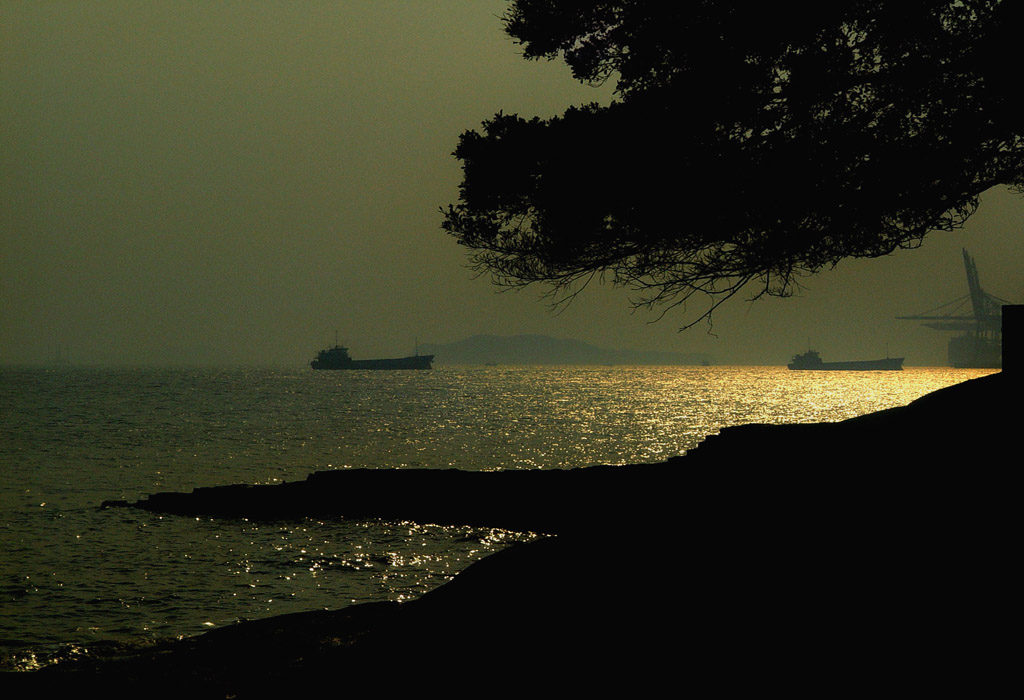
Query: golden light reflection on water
{"x":614,"y":415}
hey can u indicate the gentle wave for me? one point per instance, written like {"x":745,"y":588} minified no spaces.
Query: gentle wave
{"x":72,"y":438}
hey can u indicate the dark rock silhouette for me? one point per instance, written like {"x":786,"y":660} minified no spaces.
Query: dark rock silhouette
{"x":875,"y":552}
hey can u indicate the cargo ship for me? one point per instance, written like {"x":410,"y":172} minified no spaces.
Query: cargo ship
{"x":337,"y":357}
{"x":812,"y":360}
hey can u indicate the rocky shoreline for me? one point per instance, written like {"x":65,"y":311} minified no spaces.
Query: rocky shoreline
{"x":854,"y":556}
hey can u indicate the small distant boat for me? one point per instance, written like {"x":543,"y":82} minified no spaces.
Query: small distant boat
{"x":812,"y":360}
{"x":337,"y":357}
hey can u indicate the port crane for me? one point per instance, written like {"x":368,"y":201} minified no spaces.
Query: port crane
{"x":976,"y":316}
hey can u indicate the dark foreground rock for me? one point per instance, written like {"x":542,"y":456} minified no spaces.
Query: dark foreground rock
{"x":548,"y":501}
{"x":873,"y":556}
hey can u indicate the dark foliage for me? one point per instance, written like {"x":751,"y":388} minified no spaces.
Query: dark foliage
{"x":748,"y":142}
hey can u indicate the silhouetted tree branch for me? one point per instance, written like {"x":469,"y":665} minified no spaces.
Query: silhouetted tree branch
{"x":748,"y":143}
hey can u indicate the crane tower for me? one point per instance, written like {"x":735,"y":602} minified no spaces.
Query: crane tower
{"x":977,"y":319}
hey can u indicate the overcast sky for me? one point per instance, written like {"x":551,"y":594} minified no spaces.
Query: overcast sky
{"x":231,"y":182}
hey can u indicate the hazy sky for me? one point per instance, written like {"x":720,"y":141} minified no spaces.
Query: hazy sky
{"x":230,"y":182}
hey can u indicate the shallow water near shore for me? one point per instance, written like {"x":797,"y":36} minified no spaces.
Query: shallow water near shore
{"x":73,"y":574}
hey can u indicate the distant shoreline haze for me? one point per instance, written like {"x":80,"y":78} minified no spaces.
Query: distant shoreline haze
{"x":546,"y":350}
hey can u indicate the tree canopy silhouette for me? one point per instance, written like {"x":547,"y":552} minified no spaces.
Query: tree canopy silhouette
{"x":746,"y":143}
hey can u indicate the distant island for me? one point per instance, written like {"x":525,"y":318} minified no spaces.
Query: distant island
{"x":545,"y":350}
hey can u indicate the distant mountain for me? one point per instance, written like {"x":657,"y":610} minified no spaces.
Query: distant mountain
{"x":545,"y":350}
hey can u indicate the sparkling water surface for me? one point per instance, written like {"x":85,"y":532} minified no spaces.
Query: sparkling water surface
{"x":72,"y":574}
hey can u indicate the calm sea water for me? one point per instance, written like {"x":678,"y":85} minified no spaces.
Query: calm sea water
{"x":72,"y":574}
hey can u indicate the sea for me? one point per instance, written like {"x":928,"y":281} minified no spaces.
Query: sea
{"x":75,"y":576}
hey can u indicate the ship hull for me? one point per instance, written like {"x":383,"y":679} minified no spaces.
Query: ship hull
{"x":967,"y":351}
{"x":413,"y":362}
{"x":888,"y":364}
